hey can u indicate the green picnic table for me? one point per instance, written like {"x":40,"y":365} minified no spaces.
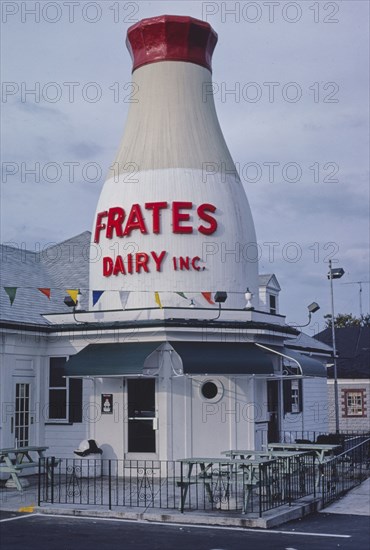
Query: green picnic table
{"x":15,"y":460}
{"x":248,"y":470}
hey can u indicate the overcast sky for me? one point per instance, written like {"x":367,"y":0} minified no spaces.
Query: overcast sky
{"x":301,"y":141}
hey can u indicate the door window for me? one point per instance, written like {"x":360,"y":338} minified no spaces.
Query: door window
{"x":22,"y":415}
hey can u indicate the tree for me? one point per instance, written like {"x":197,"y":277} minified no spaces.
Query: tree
{"x":343,"y":320}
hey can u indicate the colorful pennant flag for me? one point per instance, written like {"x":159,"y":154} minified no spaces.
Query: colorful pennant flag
{"x":11,"y":292}
{"x":73,"y":294}
{"x":96,"y":295}
{"x":45,"y":291}
{"x":208,"y":297}
{"x":182,"y":295}
{"x":124,"y":294}
{"x":157,"y":299}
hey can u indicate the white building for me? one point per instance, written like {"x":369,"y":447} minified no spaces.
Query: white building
{"x":149,"y":364}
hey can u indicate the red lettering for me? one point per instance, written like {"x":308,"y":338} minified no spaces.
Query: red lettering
{"x":158,"y":259}
{"x":184,"y":263}
{"x":194,"y":262}
{"x":107,"y":266}
{"x":142,"y":262}
{"x":201,"y":210}
{"x":135,"y":220}
{"x":178,"y":217}
{"x":99,"y":225}
{"x":129,"y":263}
{"x":116,"y":215}
{"x":119,"y":267}
{"x":174,"y":260}
{"x":156,"y":207}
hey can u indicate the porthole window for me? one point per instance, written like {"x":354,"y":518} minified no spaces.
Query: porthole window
{"x":211,"y":390}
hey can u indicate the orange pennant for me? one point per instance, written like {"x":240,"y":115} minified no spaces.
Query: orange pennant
{"x":45,"y":291}
{"x":208,"y":297}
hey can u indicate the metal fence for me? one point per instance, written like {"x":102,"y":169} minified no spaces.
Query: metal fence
{"x":228,"y":485}
{"x":345,"y":471}
{"x":147,"y":484}
{"x":105,"y":482}
{"x":346,"y":439}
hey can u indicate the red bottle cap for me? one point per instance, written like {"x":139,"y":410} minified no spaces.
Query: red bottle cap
{"x":171,"y":38}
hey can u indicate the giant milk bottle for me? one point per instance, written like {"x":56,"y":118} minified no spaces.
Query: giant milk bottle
{"x":172,"y":216}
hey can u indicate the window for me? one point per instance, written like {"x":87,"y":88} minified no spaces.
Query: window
{"x":292,"y":396}
{"x":65,"y":394}
{"x":272,"y":300}
{"x":211,"y":390}
{"x":354,"y":403}
{"x":295,"y":396}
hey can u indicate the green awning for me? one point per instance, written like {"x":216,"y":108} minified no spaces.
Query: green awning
{"x":110,"y":359}
{"x":222,"y":358}
{"x":308,"y":365}
{"x":197,"y":358}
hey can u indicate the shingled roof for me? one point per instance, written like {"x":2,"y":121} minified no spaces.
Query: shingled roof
{"x":58,"y":267}
{"x":353,"y":348}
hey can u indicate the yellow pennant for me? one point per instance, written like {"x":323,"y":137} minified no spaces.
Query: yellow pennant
{"x":158,"y":300}
{"x":73,"y":294}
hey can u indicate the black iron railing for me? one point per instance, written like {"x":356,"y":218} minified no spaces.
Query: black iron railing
{"x":228,"y":485}
{"x":346,"y":438}
{"x":345,"y":471}
{"x":168,"y":485}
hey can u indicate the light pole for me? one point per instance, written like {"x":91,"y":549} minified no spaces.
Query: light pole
{"x":334,"y":273}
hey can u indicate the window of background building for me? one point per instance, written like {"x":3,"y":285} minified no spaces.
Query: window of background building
{"x":354,"y":403}
{"x":292,"y":390}
{"x":272,"y":300}
{"x":65,"y":394}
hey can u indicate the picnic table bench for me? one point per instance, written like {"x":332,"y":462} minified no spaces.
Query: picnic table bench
{"x":228,"y":470}
{"x":15,"y":460}
{"x":322,"y":453}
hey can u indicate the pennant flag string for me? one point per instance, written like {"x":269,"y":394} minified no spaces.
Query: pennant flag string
{"x":46,"y":291}
{"x":157,"y":299}
{"x":96,"y":295}
{"x":208,"y":297}
{"x":11,"y":292}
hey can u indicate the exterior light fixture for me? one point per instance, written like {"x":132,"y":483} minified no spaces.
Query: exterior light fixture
{"x":191,"y":303}
{"x":76,"y":305}
{"x":334,"y":273}
{"x":312,"y":308}
{"x":220,"y":297}
{"x":69,"y":302}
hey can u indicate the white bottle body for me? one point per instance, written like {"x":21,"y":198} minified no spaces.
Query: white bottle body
{"x":173,"y":150}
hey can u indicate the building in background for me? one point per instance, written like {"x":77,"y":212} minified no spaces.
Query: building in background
{"x":353,"y":374}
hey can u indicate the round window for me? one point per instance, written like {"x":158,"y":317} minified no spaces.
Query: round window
{"x":211,"y":390}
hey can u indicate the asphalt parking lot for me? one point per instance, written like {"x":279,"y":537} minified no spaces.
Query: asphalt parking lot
{"x":42,"y":532}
